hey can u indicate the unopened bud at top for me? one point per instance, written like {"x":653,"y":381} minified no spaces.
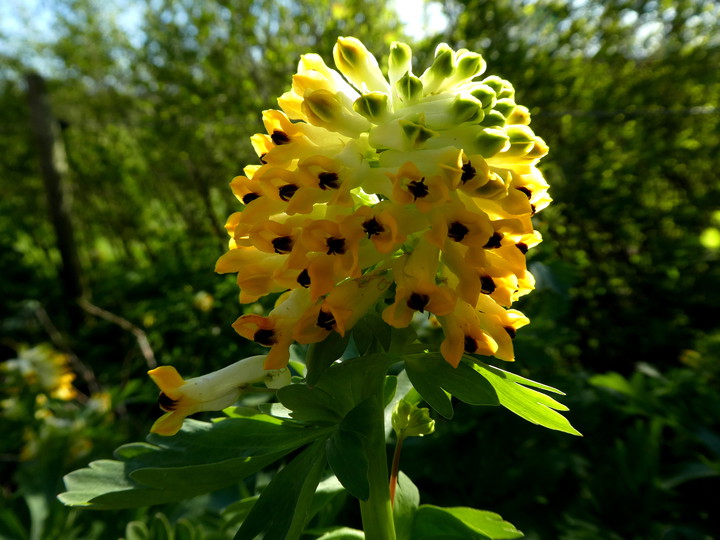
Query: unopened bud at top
{"x":400,"y":61}
{"x":409,"y":420}
{"x":359,"y":65}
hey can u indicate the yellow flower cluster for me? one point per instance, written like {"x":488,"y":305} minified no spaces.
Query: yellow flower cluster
{"x":46,"y":370}
{"x":426,"y":181}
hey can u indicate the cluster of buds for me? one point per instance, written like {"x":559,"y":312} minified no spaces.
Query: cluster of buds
{"x":417,"y":186}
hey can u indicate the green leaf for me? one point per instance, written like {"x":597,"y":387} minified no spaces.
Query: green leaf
{"x":431,"y":392}
{"x":201,"y":458}
{"x":612,"y":381}
{"x":105,"y":485}
{"x":321,"y":355}
{"x":346,"y":450}
{"x":369,"y":332}
{"x":435,"y":523}
{"x":400,"y":339}
{"x":329,"y":492}
{"x":359,"y":419}
{"x":407,"y":500}
{"x":310,"y":404}
{"x":404,"y":391}
{"x":431,"y":374}
{"x":283,"y":509}
{"x":391,"y":383}
{"x":514,"y":394}
{"x":238,"y":511}
{"x":347,"y":459}
{"x":352,"y":381}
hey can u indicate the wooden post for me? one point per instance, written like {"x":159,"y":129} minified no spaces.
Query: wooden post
{"x":53,"y":167}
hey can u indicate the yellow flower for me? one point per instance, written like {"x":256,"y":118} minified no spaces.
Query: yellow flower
{"x":47,"y":369}
{"x":426,"y":180}
{"x":215,"y":391}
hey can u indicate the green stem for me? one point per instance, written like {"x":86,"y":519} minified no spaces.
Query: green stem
{"x":395,"y":468}
{"x":377,"y":515}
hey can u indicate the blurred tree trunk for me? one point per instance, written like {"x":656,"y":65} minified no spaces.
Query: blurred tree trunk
{"x":53,"y":168}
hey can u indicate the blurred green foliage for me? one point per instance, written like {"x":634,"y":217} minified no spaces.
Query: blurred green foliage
{"x":626,"y":318}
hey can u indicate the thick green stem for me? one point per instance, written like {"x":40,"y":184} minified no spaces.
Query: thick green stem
{"x":377,"y":515}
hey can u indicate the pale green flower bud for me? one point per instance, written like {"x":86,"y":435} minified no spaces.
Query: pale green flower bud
{"x":522,"y":140}
{"x":409,"y":88}
{"x":323,"y":108}
{"x":493,"y":119}
{"x":416,"y":133}
{"x":502,"y":88}
{"x":469,"y":65}
{"x":521,"y":115}
{"x":485,"y":94}
{"x":465,"y":108}
{"x":400,"y":61}
{"x":442,"y":68}
{"x":358,"y":65}
{"x":409,"y":420}
{"x":373,"y":106}
{"x":490,"y":141}
{"x":505,"y":106}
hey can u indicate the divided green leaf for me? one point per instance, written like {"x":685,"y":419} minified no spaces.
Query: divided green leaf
{"x":321,"y":355}
{"x":513,"y":393}
{"x":407,"y":500}
{"x":284,"y":506}
{"x":434,"y":379}
{"x":435,"y":523}
{"x":201,"y":458}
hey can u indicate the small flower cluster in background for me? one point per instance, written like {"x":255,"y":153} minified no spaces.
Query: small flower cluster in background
{"x":421,"y":187}
{"x":40,"y":401}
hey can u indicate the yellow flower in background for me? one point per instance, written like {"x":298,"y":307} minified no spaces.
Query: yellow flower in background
{"x":428,"y":181}
{"x":46,"y":369}
{"x":215,"y":391}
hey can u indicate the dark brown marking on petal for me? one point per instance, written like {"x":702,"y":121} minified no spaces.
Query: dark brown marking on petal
{"x":279,"y":137}
{"x":494,"y":241}
{"x":167,"y":403}
{"x":533,"y":210}
{"x":262,"y":159}
{"x":328,"y":180}
{"x":287,"y":191}
{"x":265,"y":337}
{"x":457,"y":231}
{"x":511,"y":331}
{"x":522,"y":247}
{"x":418,"y":189}
{"x":468,"y":172}
{"x":373,"y":227}
{"x":526,"y":191}
{"x":471,"y":344}
{"x":487,"y":285}
{"x":283,"y":244}
{"x":336,"y":246}
{"x":250,"y":197}
{"x":325,"y":320}
{"x":304,"y":278}
{"x":417,"y":302}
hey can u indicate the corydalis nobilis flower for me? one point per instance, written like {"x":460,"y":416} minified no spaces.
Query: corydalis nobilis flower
{"x":180,"y":398}
{"x":426,"y":181}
